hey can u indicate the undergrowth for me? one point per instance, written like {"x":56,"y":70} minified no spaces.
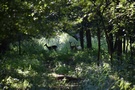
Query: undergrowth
{"x":32,"y":68}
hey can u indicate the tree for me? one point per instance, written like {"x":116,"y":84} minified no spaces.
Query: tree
{"x":22,"y":17}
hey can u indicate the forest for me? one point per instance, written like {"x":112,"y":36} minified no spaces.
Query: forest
{"x":67,"y":45}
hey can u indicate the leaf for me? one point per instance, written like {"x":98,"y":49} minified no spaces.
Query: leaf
{"x":123,"y":1}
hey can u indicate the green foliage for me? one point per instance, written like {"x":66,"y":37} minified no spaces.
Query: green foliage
{"x":97,"y":77}
{"x":121,"y":84}
{"x":15,"y":83}
{"x":32,"y":69}
{"x":20,"y":19}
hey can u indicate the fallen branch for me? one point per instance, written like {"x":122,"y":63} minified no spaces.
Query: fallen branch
{"x":66,"y":77}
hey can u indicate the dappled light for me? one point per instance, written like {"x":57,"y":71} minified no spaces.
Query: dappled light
{"x":53,"y":69}
{"x":46,"y":68}
{"x":67,"y":45}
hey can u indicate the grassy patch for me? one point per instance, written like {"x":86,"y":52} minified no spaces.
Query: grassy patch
{"x":32,"y":69}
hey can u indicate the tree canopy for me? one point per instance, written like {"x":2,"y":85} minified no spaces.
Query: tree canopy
{"x":108,"y":24}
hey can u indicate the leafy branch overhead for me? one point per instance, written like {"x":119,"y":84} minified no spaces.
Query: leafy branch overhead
{"x":84,"y":44}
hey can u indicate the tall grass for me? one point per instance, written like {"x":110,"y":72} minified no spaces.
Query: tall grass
{"x":32,"y":69}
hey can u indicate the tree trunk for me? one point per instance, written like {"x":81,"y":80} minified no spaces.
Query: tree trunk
{"x":81,"y":38}
{"x":110,"y":40}
{"x":131,"y":48}
{"x":110,"y":35}
{"x":124,"y":44}
{"x":127,"y":44}
{"x":19,"y":43}
{"x":88,"y":38}
{"x":4,"y":46}
{"x":119,"y":45}
{"x":99,"y":44}
{"x":106,"y":35}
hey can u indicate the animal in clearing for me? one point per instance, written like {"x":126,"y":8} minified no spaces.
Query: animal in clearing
{"x":53,"y":47}
{"x":72,"y":47}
